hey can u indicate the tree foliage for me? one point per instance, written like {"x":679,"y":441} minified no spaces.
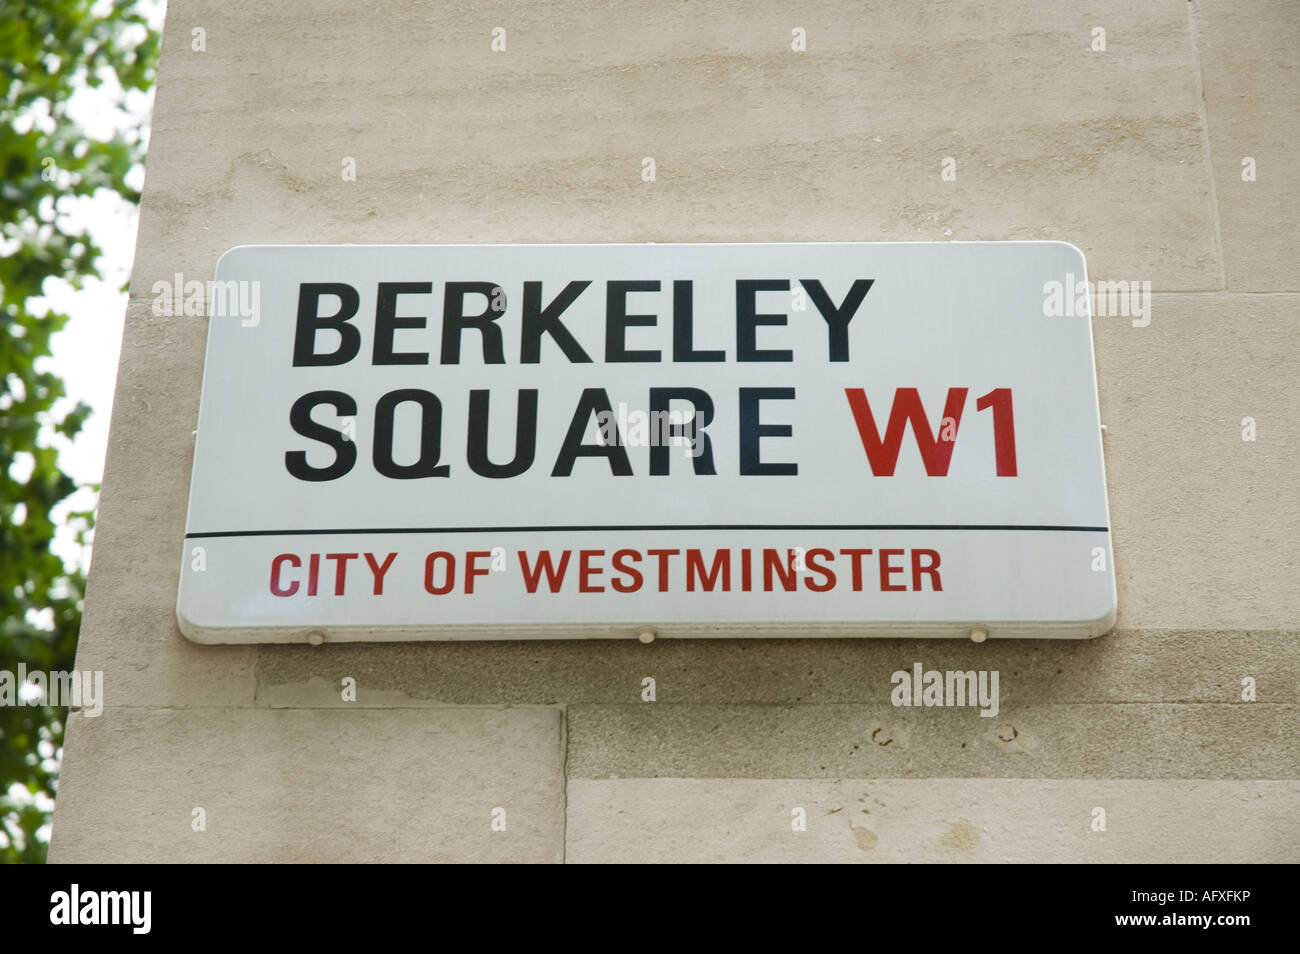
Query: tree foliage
{"x":48,"y":50}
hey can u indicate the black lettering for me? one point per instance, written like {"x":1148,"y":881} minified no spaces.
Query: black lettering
{"x":455,"y":321}
{"x":593,"y":401}
{"x":430,"y":436}
{"x":751,"y":430}
{"x":661,"y":444}
{"x":747,"y":319}
{"x":345,"y":452}
{"x":387,"y":319}
{"x":684,"y":327}
{"x":309,"y":322}
{"x":525,"y":435}
{"x":837,"y":319}
{"x":540,"y":321}
{"x":617,"y":321}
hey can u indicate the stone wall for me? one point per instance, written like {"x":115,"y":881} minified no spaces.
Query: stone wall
{"x":1134,"y":153}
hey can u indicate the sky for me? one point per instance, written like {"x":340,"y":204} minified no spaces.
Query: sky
{"x":85,"y":352}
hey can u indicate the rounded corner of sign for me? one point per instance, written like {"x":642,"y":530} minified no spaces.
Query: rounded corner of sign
{"x":231,"y":251}
{"x":1083,"y":259}
{"x":1099,"y":627}
{"x":195,"y":632}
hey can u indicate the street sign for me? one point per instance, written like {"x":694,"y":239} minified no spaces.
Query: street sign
{"x":581,"y":441}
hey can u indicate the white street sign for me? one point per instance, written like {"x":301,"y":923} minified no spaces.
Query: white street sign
{"x":578,"y":441}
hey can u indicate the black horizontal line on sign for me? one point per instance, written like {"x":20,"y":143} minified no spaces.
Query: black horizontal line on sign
{"x":643,"y":527}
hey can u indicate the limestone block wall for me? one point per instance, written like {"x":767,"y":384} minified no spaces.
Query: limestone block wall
{"x":1134,"y":152}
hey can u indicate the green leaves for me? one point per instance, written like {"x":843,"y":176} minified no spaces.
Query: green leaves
{"x":48,"y":50}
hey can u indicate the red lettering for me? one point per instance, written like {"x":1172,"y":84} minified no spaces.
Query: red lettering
{"x":887,"y":570}
{"x":778,"y":561}
{"x":620,"y":563}
{"x":663,"y":556}
{"x":586,"y":571}
{"x":1004,"y":429}
{"x":827,"y":574}
{"x":857,"y":566}
{"x":276,"y":589}
{"x":882,"y":455}
{"x":379,"y":571}
{"x":340,"y":569}
{"x":695,"y":569}
{"x":471,"y":568}
{"x":554,"y":576}
{"x":932,"y":569}
{"x":449,"y":579}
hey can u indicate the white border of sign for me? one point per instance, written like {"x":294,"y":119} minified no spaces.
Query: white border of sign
{"x":638,"y":627}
